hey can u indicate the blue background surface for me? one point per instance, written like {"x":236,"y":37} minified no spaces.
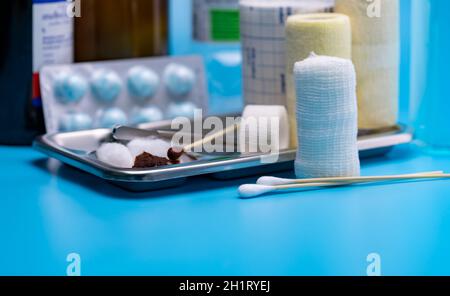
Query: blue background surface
{"x":49,"y":210}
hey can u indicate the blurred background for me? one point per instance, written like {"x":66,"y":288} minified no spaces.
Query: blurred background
{"x":38,"y":34}
{"x":181,"y":42}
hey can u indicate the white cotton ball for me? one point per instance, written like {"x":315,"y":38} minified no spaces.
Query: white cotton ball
{"x":179,"y":79}
{"x":106,"y":85}
{"x":116,"y":155}
{"x":260,"y":121}
{"x":155,"y":147}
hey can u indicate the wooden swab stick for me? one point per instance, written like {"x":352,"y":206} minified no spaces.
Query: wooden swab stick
{"x":273,"y":181}
{"x":255,"y":190}
{"x":175,"y":153}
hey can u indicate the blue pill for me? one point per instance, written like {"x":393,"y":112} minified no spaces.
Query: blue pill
{"x":75,"y":121}
{"x":111,"y":117}
{"x":142,"y":83}
{"x":106,"y":85}
{"x":185,"y":109}
{"x":70,"y":88}
{"x":179,"y":80}
{"x":145,"y":115}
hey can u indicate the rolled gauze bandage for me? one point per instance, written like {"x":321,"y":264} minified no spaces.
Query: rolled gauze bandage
{"x":263,"y":39}
{"x":326,"y":118}
{"x":375,"y":54}
{"x":264,"y":129}
{"x":325,"y":34}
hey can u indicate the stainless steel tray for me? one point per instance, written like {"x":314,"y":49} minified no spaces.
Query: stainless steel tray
{"x":75,"y":149}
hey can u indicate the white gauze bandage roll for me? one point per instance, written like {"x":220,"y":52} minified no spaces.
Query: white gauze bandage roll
{"x":264,"y":128}
{"x":263,"y":46}
{"x":323,"y":33}
{"x":375,"y":53}
{"x":327,"y":118}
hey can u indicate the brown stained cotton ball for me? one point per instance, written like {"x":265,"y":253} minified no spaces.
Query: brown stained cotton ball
{"x":146,"y":160}
{"x":175,"y":153}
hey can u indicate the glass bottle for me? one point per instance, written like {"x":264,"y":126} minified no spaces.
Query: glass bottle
{"x":430,"y":63}
{"x":121,"y":29}
{"x":33,"y":33}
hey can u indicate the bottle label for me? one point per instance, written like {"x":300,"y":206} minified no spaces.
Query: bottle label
{"x":52,"y":38}
{"x":224,"y":24}
{"x":216,"y":20}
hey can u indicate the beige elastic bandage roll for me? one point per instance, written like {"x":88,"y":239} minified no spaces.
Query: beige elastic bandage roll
{"x":375,"y":53}
{"x":327,"y":34}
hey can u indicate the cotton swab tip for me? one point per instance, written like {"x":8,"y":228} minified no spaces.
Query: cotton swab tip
{"x":273,"y":181}
{"x":254,"y":190}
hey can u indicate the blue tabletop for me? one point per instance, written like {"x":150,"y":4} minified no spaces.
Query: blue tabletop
{"x":49,"y":210}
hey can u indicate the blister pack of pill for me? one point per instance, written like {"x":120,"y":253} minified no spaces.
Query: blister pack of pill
{"x":125,"y":92}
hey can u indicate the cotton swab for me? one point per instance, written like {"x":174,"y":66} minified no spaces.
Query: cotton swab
{"x":256,"y":123}
{"x":273,"y":181}
{"x":125,"y":133}
{"x":175,"y":153}
{"x":255,"y":190}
